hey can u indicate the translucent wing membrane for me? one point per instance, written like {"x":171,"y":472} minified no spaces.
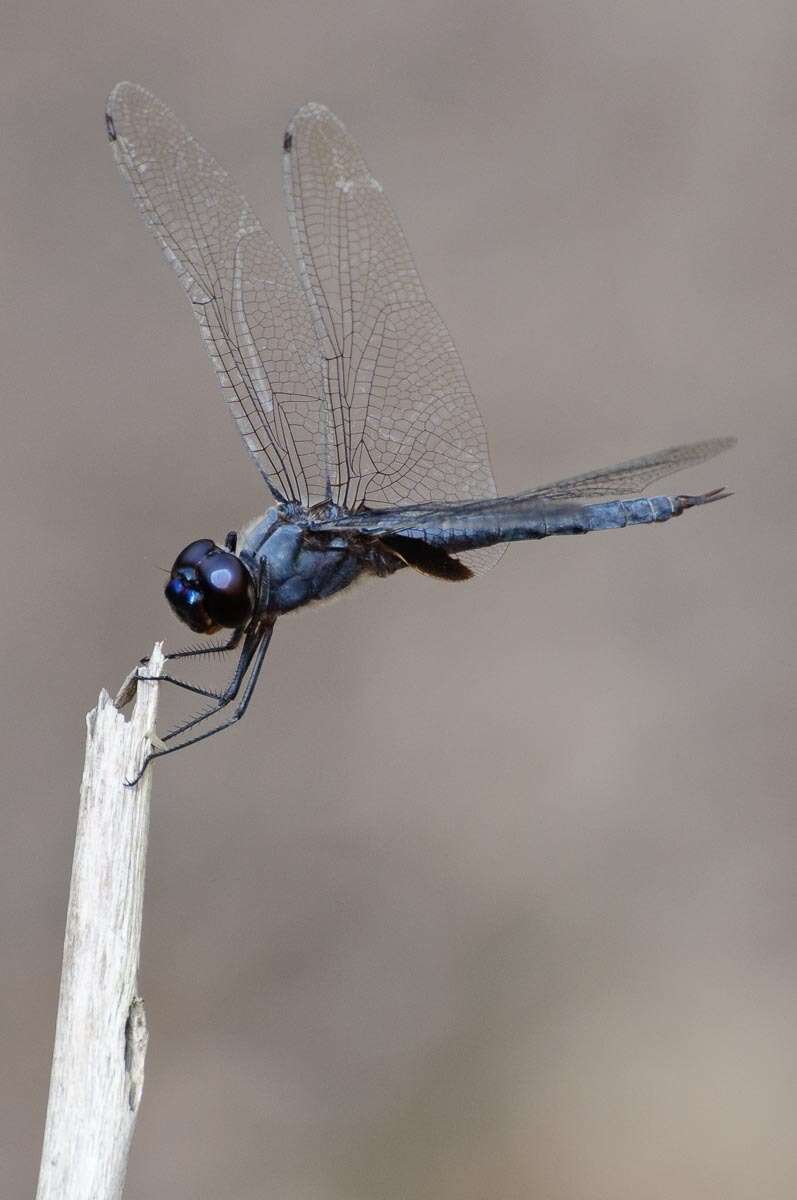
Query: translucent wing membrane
{"x":631,"y":477}
{"x":403,"y":424}
{"x":625,"y":479}
{"x":252,"y":314}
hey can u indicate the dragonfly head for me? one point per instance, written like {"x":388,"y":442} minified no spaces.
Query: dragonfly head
{"x":210,"y":588}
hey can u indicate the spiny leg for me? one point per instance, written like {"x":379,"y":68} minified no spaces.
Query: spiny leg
{"x":233,"y":687}
{"x":194,"y":688}
{"x":198,"y":651}
{"x":254,"y":652}
{"x":216,"y":648}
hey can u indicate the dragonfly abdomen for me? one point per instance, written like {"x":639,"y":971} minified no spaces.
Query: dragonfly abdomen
{"x":525,"y":518}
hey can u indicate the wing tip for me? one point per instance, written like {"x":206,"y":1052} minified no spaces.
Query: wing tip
{"x":120,"y":93}
{"x":311,"y":110}
{"x":721,"y":444}
{"x":119,"y":89}
{"x":697,"y":452}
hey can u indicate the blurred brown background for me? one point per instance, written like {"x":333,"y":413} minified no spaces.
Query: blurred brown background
{"x":492,"y":896}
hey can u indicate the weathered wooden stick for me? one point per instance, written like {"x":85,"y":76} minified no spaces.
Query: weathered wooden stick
{"x":101,"y":1031}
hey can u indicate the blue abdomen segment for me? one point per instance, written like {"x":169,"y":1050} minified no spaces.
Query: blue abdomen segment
{"x":616,"y":514}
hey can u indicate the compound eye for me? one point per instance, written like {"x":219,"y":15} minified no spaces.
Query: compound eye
{"x":210,"y":588}
{"x":187,"y":600}
{"x":193,"y":554}
{"x":228,"y":588}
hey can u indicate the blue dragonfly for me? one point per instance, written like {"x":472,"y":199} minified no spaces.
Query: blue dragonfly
{"x":348,"y":392}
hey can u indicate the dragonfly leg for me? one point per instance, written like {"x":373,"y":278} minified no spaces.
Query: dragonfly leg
{"x":211,"y":693}
{"x":198,"y":651}
{"x":256,"y":658}
{"x":226,"y":697}
{"x":253,"y":653}
{"x":216,"y":648}
{"x":180,"y":683}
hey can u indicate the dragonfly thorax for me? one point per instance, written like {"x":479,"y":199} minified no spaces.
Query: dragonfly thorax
{"x":296,"y":565}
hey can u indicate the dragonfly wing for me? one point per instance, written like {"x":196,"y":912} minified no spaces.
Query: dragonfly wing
{"x":633,"y":476}
{"x":253,"y":317}
{"x":402,"y":423}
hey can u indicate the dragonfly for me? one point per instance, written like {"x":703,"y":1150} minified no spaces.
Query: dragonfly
{"x":348,"y":393}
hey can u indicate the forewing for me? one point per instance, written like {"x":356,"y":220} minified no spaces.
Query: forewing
{"x":403,"y":423}
{"x":251,"y":310}
{"x":633,"y":476}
